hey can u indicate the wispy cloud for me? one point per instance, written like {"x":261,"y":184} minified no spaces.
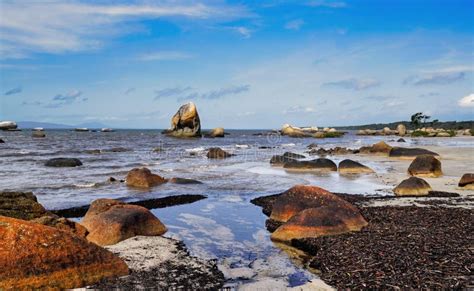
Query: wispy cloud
{"x":129,"y":90}
{"x":216,"y":94}
{"x":61,"y":100}
{"x":164,"y":56}
{"x":354,"y":84}
{"x":15,"y":90}
{"x":64,"y":26}
{"x":294,"y":24}
{"x":327,"y":3}
{"x":299,"y":110}
{"x":439,"y":77}
{"x":467,"y":101}
{"x":171,"y":92}
{"x":245,"y":32}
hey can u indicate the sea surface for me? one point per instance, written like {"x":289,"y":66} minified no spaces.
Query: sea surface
{"x":225,"y":226}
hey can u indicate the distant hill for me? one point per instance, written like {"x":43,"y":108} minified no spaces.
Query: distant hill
{"x":92,"y":125}
{"x":48,"y":125}
{"x":393,"y":125}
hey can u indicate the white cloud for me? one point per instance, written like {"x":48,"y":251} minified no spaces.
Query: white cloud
{"x":164,"y":56}
{"x":294,"y":24}
{"x":64,"y":26}
{"x":244,"y":31}
{"x":329,"y":4}
{"x":467,"y":101}
{"x":299,"y":109}
{"x":353,"y":83}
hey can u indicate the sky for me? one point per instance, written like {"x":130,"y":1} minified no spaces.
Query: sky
{"x":245,"y":64}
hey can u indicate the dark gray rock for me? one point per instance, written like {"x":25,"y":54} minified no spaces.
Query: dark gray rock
{"x":63,"y":162}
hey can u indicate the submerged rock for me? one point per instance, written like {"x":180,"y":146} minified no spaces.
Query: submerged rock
{"x":281,"y":160}
{"x":378,"y":148}
{"x":399,"y":152}
{"x":111,"y":221}
{"x":218,"y":153}
{"x":412,"y":186}
{"x":38,"y":134}
{"x":184,"y":181}
{"x":401,"y":140}
{"x":467,"y":181}
{"x":320,"y":164}
{"x":311,"y":211}
{"x":352,"y":167}
{"x":425,"y":166}
{"x":143,"y":178}
{"x":186,"y":122}
{"x":35,"y":256}
{"x":63,"y":162}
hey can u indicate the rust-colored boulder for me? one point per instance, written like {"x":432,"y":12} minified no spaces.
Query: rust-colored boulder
{"x":218,"y":153}
{"x":301,"y":197}
{"x":467,"y":181}
{"x":379,"y":148}
{"x":34,"y":256}
{"x":143,"y":178}
{"x":412,"y":186}
{"x":110,"y":221}
{"x":352,"y":167}
{"x":321,"y":221}
{"x":63,"y":224}
{"x":425,"y":166}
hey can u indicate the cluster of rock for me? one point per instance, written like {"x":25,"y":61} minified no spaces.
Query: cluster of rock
{"x":293,"y":131}
{"x":440,"y":132}
{"x":401,"y":130}
{"x":309,"y":211}
{"x":382,"y":148}
{"x":292,"y":161}
{"x":332,"y":151}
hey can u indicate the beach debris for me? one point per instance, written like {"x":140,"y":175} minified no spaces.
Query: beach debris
{"x":321,"y":164}
{"x":143,"y":178}
{"x":218,"y":153}
{"x":63,"y":162}
{"x":348,"y":166}
{"x":35,"y":256}
{"x":412,"y":186}
{"x":425,"y":166}
{"x":111,"y":221}
{"x":467,"y":181}
{"x":186,"y":122}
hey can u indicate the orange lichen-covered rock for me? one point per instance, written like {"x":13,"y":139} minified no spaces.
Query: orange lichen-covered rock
{"x":143,"y":178}
{"x":35,"y":256}
{"x":321,"y":221}
{"x":110,"y":221}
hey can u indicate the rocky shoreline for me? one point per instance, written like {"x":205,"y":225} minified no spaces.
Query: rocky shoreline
{"x":401,"y":247}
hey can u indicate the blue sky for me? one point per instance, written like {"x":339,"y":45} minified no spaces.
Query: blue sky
{"x":245,"y":64}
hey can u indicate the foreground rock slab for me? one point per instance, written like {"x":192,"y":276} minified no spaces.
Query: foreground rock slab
{"x":425,"y":166}
{"x":36,"y":256}
{"x":164,"y":264}
{"x":412,"y":186}
{"x":110,"y":221}
{"x":143,"y":178}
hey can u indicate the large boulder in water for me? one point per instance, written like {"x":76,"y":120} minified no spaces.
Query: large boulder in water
{"x":352,"y":167}
{"x":186,"y":122}
{"x":38,"y":134}
{"x":310,"y":211}
{"x":287,"y":157}
{"x":216,"y":132}
{"x":425,"y":166}
{"x":218,"y":153}
{"x":63,"y":162}
{"x":34,"y":256}
{"x":412,"y":186}
{"x":409,"y":153}
{"x":401,"y":129}
{"x":8,"y":125}
{"x":321,"y":164}
{"x":143,"y":178}
{"x":293,"y":131}
{"x":111,"y":221}
{"x":378,"y":148}
{"x":467,"y":181}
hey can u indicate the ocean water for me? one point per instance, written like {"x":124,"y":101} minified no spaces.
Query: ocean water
{"x":225,"y":226}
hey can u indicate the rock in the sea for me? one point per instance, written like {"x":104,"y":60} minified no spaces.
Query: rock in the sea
{"x":38,"y":134}
{"x":311,"y":211}
{"x":399,"y":152}
{"x":412,"y":186}
{"x":292,"y":131}
{"x":280,"y":160}
{"x":467,"y":181}
{"x":401,"y":129}
{"x":401,"y":140}
{"x":216,"y":132}
{"x":8,"y":125}
{"x":321,"y":164}
{"x":378,"y":148}
{"x":2,"y":141}
{"x":34,"y":256}
{"x":186,"y":122}
{"x":111,"y":221}
{"x":293,"y":155}
{"x":352,"y":167}
{"x":332,"y":151}
{"x":184,"y":181}
{"x":143,"y":178}
{"x":425,"y":166}
{"x":218,"y":153}
{"x":63,"y":162}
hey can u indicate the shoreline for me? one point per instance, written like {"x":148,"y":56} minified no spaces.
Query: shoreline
{"x":402,"y":246}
